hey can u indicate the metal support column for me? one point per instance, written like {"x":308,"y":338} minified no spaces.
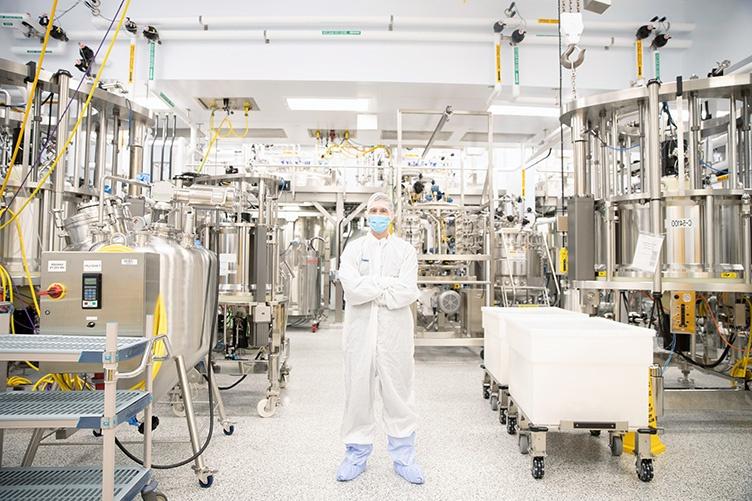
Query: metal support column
{"x":136,"y":147}
{"x":653,"y":170}
{"x":58,"y":176}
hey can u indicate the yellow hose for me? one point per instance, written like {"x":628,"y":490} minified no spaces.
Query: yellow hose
{"x":26,"y":265}
{"x":209,"y":148}
{"x":30,"y":102}
{"x":77,"y":125}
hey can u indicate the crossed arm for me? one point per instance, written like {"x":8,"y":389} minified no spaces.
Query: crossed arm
{"x":391,"y":292}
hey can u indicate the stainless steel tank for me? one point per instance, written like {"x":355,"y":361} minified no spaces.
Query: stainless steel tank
{"x":188,"y":282}
{"x":305,"y":280}
{"x":232,"y":243}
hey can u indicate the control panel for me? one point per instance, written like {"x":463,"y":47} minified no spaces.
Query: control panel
{"x":91,"y":287}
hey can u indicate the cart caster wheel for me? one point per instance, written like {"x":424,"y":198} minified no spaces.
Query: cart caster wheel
{"x":538,"y":469}
{"x":645,"y":469}
{"x":264,"y":409}
{"x":283,"y":381}
{"x":494,"y":400}
{"x":178,"y":409}
{"x":229,"y":430}
{"x":482,"y":354}
{"x":315,"y":328}
{"x":96,"y":433}
{"x":617,"y":446}
{"x":503,"y":416}
{"x":511,"y":425}
{"x":523,"y":441}
{"x":486,"y":391}
{"x":595,"y":433}
{"x":208,"y":483}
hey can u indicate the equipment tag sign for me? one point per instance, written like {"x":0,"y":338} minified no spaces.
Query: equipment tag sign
{"x":129,"y":262}
{"x":92,"y":266}
{"x":647,"y":252}
{"x":56,"y":266}
{"x":684,"y":222}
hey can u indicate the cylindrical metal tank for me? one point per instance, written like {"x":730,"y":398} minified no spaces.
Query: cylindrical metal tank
{"x":188,"y":283}
{"x":305,"y":283}
{"x":232,"y":243}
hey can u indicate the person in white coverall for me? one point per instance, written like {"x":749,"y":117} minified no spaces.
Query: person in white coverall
{"x":378,"y":273}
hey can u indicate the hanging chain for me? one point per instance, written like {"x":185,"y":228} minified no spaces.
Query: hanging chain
{"x":574,"y":82}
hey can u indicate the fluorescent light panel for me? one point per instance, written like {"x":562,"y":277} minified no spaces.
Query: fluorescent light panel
{"x":524,"y":111}
{"x":327,"y":104}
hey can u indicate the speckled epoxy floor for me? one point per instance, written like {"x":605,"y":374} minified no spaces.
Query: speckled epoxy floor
{"x":465,"y":452}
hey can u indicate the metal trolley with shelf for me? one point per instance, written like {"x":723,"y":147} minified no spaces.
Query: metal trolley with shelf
{"x":98,"y":409}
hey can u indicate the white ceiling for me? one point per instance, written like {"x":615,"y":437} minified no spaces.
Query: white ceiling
{"x":385,"y":100}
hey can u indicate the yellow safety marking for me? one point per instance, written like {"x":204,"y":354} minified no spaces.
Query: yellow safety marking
{"x":563,"y":260}
{"x":729,"y":274}
{"x":132,"y":63}
{"x":656,"y":446}
{"x":498,"y":63}
{"x":548,"y":21}
{"x":638,"y":54}
{"x":523,"y":183}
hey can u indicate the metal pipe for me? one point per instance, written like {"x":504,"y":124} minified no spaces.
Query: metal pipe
{"x":695,"y":172}
{"x":747,"y":238}
{"x":578,"y":150}
{"x":710,"y":238}
{"x":189,"y":412}
{"x":87,"y":149}
{"x":151,"y":151}
{"x":442,"y":121}
{"x":58,"y":176}
{"x":172,"y":144}
{"x":490,"y":265}
{"x":642,"y":110}
{"x":136,"y":161}
{"x":37,"y":133}
{"x":164,"y":143}
{"x":124,"y":180}
{"x":733,"y":169}
{"x":115,"y":142}
{"x":101,"y":147}
{"x":653,"y":169}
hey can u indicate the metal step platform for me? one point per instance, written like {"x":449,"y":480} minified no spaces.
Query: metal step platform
{"x":68,"y":484}
{"x":65,"y":409}
{"x":78,"y":349}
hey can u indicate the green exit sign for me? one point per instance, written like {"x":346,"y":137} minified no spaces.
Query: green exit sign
{"x":341,"y":32}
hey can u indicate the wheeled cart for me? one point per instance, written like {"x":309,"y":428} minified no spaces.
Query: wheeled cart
{"x":97,"y":409}
{"x":496,"y":348}
{"x":579,"y":373}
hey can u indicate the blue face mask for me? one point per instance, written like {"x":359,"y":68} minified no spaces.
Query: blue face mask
{"x":379,"y":224}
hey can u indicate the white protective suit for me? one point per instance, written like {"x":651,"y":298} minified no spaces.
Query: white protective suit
{"x":379,"y":278}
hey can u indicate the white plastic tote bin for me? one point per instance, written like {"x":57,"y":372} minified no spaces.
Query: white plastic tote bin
{"x":571,"y":368}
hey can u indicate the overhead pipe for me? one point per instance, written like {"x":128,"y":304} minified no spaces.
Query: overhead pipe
{"x":390,"y":23}
{"x":164,"y":143}
{"x":267,"y":36}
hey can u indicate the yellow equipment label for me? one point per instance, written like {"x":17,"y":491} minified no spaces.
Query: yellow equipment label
{"x":132,"y":63}
{"x":523,"y":183}
{"x":498,"y":63}
{"x":602,"y":274}
{"x":729,"y":274}
{"x":638,"y":54}
{"x":683,"y":312}
{"x":563,"y":260}
{"x":548,"y":21}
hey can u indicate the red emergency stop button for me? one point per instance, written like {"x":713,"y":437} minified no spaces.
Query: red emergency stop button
{"x":54,"y":291}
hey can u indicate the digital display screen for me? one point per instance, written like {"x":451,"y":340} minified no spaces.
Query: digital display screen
{"x":90,"y":281}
